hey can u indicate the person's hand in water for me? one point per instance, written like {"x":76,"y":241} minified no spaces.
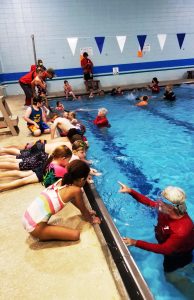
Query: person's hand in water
{"x":129,"y":241}
{"x":95,"y":172}
{"x":124,"y":188}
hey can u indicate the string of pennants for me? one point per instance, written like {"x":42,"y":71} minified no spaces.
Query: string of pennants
{"x":72,"y":41}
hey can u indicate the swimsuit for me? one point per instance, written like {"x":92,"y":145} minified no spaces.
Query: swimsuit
{"x":43,"y":207}
{"x":53,"y":173}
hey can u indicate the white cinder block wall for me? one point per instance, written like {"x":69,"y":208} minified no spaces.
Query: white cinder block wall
{"x":52,"y":22}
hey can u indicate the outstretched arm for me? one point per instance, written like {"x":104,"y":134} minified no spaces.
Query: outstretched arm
{"x":139,"y":197}
{"x":171,"y":245}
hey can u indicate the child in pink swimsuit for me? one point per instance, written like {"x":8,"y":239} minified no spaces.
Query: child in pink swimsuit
{"x":53,"y":199}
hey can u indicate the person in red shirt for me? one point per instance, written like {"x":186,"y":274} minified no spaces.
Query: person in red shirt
{"x":87,"y":67}
{"x":26,"y":80}
{"x":174,"y":230}
{"x":101,"y":119}
{"x":25,"y":83}
{"x":154,"y":86}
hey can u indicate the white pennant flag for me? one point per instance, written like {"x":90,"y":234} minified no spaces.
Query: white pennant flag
{"x":121,"y":41}
{"x":72,"y":44}
{"x":162,"y":40}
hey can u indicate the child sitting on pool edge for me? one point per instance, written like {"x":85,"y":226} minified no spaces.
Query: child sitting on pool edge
{"x":53,"y":199}
{"x":68,"y":90}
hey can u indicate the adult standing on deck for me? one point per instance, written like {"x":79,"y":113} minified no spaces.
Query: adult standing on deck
{"x":26,"y":80}
{"x":87,"y":66}
{"x":25,"y":83}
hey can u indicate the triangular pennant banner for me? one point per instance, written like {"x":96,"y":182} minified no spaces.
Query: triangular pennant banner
{"x":72,"y":44}
{"x":141,"y":40}
{"x":162,"y":40}
{"x":180,"y":37}
{"x":100,"y":42}
{"x":121,"y":42}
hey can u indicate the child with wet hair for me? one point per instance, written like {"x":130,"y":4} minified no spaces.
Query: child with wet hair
{"x":55,"y":198}
{"x":143,"y":101}
{"x":79,"y":152}
{"x":79,"y":126}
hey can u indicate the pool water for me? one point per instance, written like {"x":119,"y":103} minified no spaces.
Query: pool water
{"x":146,"y":148}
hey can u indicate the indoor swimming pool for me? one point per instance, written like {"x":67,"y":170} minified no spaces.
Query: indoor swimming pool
{"x":147,"y":148}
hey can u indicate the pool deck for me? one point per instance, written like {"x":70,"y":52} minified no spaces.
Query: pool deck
{"x":50,"y":270}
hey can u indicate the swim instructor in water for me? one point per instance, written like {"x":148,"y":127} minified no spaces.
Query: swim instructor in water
{"x":174,"y":230}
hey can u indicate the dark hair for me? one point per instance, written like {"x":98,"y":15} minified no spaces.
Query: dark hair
{"x":76,"y":169}
{"x":40,"y":62}
{"x":85,"y":54}
{"x":65,"y":81}
{"x":155,"y":79}
{"x":51,"y":72}
{"x":37,"y":99}
{"x":145,"y":98}
{"x":60,"y":152}
{"x":75,"y":137}
{"x":113,"y":92}
{"x":58,"y":102}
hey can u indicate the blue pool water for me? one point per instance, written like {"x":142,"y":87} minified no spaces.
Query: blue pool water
{"x":147,"y":148}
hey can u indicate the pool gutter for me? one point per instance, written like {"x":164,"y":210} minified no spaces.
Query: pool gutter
{"x":132,"y":279}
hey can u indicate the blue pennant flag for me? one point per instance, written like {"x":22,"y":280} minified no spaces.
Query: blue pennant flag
{"x":180,"y":37}
{"x":141,"y":40}
{"x":100,"y":42}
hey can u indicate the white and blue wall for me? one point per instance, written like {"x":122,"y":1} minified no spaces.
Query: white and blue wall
{"x":163,"y":30}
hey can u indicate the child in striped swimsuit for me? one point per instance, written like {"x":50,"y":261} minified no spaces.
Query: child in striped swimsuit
{"x":53,"y":199}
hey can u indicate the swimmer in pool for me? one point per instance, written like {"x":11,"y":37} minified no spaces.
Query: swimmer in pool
{"x":174,"y":231}
{"x":143,"y":101}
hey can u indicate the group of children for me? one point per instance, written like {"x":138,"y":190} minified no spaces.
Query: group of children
{"x":62,"y":167}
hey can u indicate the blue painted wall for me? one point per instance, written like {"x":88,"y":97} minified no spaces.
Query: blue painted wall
{"x":52,"y":22}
